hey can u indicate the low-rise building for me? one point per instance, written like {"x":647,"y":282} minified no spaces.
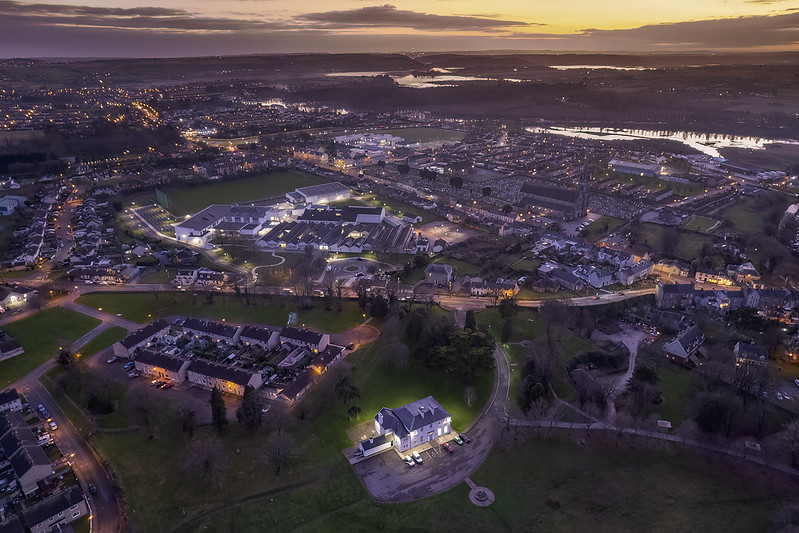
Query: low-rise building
{"x":225,"y":378}
{"x":140,"y":338}
{"x":749,"y":353}
{"x":161,"y":365}
{"x":684,"y":347}
{"x":217,"y":331}
{"x":10,"y":401}
{"x":259,"y":336}
{"x":304,"y":337}
{"x":439,"y":274}
{"x":57,"y":510}
{"x":413,"y":424}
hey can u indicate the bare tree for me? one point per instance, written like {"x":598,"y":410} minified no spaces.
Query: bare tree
{"x":206,"y":460}
{"x":279,"y":449}
{"x":470,"y":395}
{"x":141,"y":409}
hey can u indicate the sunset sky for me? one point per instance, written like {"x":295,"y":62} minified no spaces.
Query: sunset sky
{"x":207,"y":27}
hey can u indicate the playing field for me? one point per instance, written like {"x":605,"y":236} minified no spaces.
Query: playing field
{"x":699,"y":224}
{"x":186,"y":200}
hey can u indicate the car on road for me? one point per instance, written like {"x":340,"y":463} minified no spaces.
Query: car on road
{"x":785,"y":396}
{"x":458,"y":441}
{"x":797,"y":382}
{"x":417,"y":458}
{"x":42,"y":409}
{"x":465,"y":439}
{"x":53,"y":426}
{"x":134,"y":375}
{"x":447,"y":446}
{"x":113,"y":359}
{"x":92,"y":488}
{"x":408,"y":460}
{"x":779,"y":396}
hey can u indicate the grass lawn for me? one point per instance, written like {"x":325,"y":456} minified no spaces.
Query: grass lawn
{"x":41,"y":335}
{"x":600,"y":227}
{"x":688,"y":246}
{"x":462,"y":268}
{"x":142,"y":307}
{"x":18,"y":274}
{"x":676,"y":384}
{"x":161,"y":277}
{"x":746,"y":217}
{"x":425,"y":135}
{"x":399,"y":209}
{"x":185,"y":200}
{"x":103,"y":340}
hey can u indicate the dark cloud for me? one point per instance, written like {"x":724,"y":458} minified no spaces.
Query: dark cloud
{"x":388,"y":16}
{"x":729,"y":33}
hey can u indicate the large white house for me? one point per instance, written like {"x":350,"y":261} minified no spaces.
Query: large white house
{"x":414,"y":424}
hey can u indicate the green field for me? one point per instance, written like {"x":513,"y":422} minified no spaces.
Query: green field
{"x":601,"y":227}
{"x":142,"y":307}
{"x":103,"y":340}
{"x":750,"y":216}
{"x":186,"y":200}
{"x":425,"y":135}
{"x":399,"y":209}
{"x":462,"y":268}
{"x":41,"y":335}
{"x":699,"y":224}
{"x":687,"y":247}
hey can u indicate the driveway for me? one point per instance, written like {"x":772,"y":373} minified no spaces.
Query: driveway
{"x":631,"y":338}
{"x":389,"y":479}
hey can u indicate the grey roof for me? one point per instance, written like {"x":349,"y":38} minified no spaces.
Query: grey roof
{"x":27,"y":457}
{"x":8,"y":396}
{"x":254,"y":332}
{"x":752,"y":351}
{"x":413,"y":416}
{"x":17,"y":438}
{"x":206,"y":368}
{"x":167,"y":362}
{"x":144,"y":333}
{"x":322,"y":189}
{"x":691,"y":339}
{"x":375,"y":442}
{"x":211,"y":328}
{"x":678,"y":288}
{"x":11,"y":420}
{"x":205,"y":218}
{"x":301,"y":335}
{"x":42,"y":511}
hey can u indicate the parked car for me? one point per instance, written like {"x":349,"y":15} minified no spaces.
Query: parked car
{"x":465,"y":439}
{"x":417,"y":457}
{"x":53,"y":426}
{"x":133,"y":375}
{"x":458,"y":441}
{"x":129,"y":365}
{"x":113,"y":359}
{"x":92,"y":488}
{"x":160,"y":384}
{"x":168,"y":385}
{"x":779,"y":396}
{"x":785,"y":396}
{"x":447,"y":446}
{"x":409,"y":461}
{"x":795,"y":381}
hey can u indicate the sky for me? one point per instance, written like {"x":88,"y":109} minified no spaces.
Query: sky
{"x":174,"y":28}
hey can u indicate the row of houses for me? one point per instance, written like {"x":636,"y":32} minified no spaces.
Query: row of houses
{"x":22,"y":452}
{"x":686,"y":295}
{"x":200,"y":277}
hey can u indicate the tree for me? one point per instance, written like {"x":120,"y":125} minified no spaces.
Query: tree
{"x":205,"y":459}
{"x":456,"y":181}
{"x":218,"y":410}
{"x":404,"y":170}
{"x":507,"y":330}
{"x":65,"y":358}
{"x":141,"y":409}
{"x":397,"y":354}
{"x":250,"y":413}
{"x":187,"y":419}
{"x":279,"y":449}
{"x":355,"y":411}
{"x":508,"y":307}
{"x":789,"y":437}
{"x":714,"y":413}
{"x":470,"y":322}
{"x":486,"y":191}
{"x":469,"y":394}
{"x":378,"y":306}
{"x":507,"y":208}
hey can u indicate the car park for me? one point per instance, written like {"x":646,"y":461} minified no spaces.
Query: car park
{"x":408,"y":460}
{"x":417,"y":457}
{"x":465,"y":439}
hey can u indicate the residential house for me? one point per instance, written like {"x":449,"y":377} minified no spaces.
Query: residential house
{"x":225,"y":378}
{"x":631,"y":274}
{"x":683,"y":349}
{"x":749,"y":353}
{"x":668,"y":268}
{"x":439,"y":274}
{"x":57,"y":510}
{"x":414,"y":424}
{"x":161,"y":365}
{"x":10,"y":401}
{"x":26,"y":457}
{"x":743,"y":274}
{"x":305,"y":338}
{"x":297,"y":388}
{"x":210,"y":278}
{"x":139,"y":338}
{"x":9,"y":346}
{"x":595,"y":276}
{"x":215,"y":330}
{"x":708,"y":275}
{"x":184,"y":277}
{"x":259,"y":336}
{"x":674,"y":295}
{"x":566,"y":279}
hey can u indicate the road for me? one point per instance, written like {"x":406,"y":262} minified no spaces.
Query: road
{"x":104,"y":505}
